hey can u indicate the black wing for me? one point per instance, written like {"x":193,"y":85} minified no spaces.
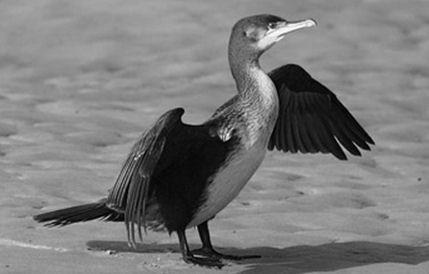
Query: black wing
{"x":311,"y":118}
{"x":130,"y":192}
{"x":170,"y":164}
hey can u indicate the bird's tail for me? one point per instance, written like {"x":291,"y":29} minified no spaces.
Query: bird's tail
{"x":81,"y":213}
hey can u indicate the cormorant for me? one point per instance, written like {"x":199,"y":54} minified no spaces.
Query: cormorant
{"x":179,"y":176}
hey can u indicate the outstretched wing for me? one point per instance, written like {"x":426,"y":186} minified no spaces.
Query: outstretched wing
{"x":311,"y":118}
{"x":130,"y":192}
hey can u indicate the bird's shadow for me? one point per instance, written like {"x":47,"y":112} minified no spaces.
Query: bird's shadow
{"x":297,"y":259}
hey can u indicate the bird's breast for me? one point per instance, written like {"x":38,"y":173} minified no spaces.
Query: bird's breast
{"x":236,"y":171}
{"x":251,"y":118}
{"x":228,"y":181}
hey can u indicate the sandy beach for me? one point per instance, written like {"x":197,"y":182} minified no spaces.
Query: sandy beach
{"x":80,"y":80}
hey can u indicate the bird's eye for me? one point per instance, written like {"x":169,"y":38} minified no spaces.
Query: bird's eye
{"x":272,"y":25}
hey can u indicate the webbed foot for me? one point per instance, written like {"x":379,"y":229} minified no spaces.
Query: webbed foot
{"x":203,"y":261}
{"x":211,"y":253}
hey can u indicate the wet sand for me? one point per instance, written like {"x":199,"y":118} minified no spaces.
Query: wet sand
{"x":79,"y":82}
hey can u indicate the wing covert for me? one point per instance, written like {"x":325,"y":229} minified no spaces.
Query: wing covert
{"x":311,"y":118}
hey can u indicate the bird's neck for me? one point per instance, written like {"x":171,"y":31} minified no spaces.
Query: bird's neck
{"x":251,"y":81}
{"x":243,"y":67}
{"x":257,"y":98}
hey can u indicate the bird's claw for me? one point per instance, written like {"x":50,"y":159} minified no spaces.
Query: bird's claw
{"x":204,"y":261}
{"x":211,"y":253}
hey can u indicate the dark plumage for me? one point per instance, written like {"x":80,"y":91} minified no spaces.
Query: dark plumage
{"x":179,"y":176}
{"x":311,"y":117}
{"x":168,"y":151}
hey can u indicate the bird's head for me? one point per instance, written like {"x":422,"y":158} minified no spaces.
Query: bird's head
{"x":255,"y":34}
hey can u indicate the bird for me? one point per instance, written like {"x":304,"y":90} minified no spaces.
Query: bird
{"x":178,"y":176}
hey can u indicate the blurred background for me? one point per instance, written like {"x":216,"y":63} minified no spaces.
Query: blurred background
{"x":80,"y":80}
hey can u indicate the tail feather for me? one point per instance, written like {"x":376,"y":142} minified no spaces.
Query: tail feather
{"x":81,"y":213}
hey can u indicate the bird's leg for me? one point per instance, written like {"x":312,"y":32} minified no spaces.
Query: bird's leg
{"x":189,"y":257}
{"x":207,"y":249}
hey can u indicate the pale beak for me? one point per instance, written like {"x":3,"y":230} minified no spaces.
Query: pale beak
{"x":286,"y":27}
